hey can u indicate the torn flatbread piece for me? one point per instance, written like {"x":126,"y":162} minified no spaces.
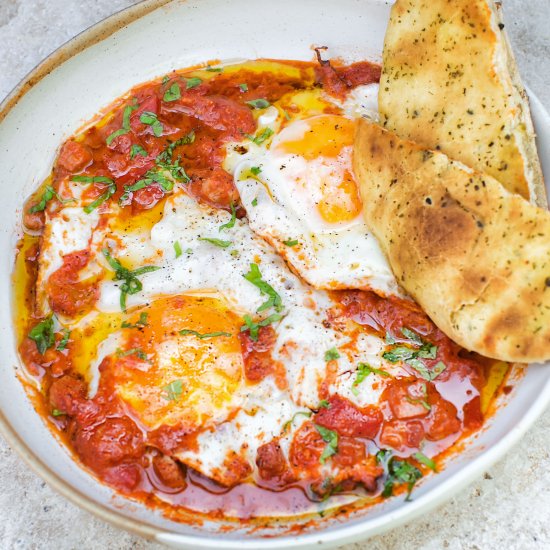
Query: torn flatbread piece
{"x":450,"y":82}
{"x":473,"y":255}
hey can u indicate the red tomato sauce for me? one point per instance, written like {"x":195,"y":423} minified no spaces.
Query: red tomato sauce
{"x":413,"y":414}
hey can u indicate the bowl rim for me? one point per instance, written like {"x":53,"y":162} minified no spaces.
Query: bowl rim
{"x":343,"y":534}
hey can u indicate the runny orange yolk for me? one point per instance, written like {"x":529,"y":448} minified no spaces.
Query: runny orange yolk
{"x":329,"y":139}
{"x":184,"y":378}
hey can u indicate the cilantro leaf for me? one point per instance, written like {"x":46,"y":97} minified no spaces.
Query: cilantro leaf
{"x":423,"y":459}
{"x":141,"y":322}
{"x":216,"y":242}
{"x":62,"y":344}
{"x":177,"y":249}
{"x":363,"y":370}
{"x":290,"y":242}
{"x":243,"y":87}
{"x":261,"y":137}
{"x":128,"y":110}
{"x":48,"y":195}
{"x":192,"y":82}
{"x":400,"y":471}
{"x":137,"y":150}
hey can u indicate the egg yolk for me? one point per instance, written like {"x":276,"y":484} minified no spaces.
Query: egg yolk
{"x":328,"y":139}
{"x":185,"y":366}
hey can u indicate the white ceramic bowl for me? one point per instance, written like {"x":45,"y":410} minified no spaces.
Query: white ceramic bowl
{"x":147,"y":41}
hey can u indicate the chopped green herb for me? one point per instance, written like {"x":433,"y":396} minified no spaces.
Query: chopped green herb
{"x":177,"y":249}
{"x":286,"y":115}
{"x":261,"y":137}
{"x":192,"y":82}
{"x":128,"y":110}
{"x":138,"y":352}
{"x":214,"y":69}
{"x":412,"y":356}
{"x":363,"y":370}
{"x":216,"y":242}
{"x":151,"y":119}
{"x":92,"y":179}
{"x":43,"y":335}
{"x":412,"y":336}
{"x":330,"y":437}
{"x":172,"y":391}
{"x":400,"y":471}
{"x":258,"y":103}
{"x":254,"y":328}
{"x":165,"y":80}
{"x":172,"y":94}
{"x":422,"y":402}
{"x":189,"y":251}
{"x":254,"y":276}
{"x":140,"y":323}
{"x":137,"y":150}
{"x":288,"y":423}
{"x":323,"y":404}
{"x":57,"y":412}
{"x":62,"y":344}
{"x":254,"y":202}
{"x":187,"y":331}
{"x":331,"y":354}
{"x":48,"y":195}
{"x":255,"y":170}
{"x":382,"y":456}
{"x":231,"y":223}
{"x":243,"y":87}
{"x":131,"y":284}
{"x":423,"y":459}
{"x":290,"y":242}
{"x":389,"y":339}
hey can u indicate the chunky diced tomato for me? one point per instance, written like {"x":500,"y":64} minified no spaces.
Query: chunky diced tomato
{"x":347,"y":419}
{"x":442,"y":420}
{"x":74,"y":156}
{"x":402,"y":435}
{"x":407,"y":398}
{"x":170,"y":472}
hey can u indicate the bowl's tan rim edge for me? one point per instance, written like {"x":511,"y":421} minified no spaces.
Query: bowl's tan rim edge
{"x":94,"y":34}
{"x":87,"y":38}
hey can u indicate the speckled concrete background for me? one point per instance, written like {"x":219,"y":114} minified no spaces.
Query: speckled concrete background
{"x":508,"y":508}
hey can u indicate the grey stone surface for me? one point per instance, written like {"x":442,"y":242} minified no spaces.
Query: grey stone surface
{"x":508,"y":508}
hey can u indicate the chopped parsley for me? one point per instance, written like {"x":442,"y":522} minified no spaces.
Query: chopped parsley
{"x":255,"y":170}
{"x":254,"y":276}
{"x":131,"y":284}
{"x":177,"y":249}
{"x":187,"y":331}
{"x":243,"y":87}
{"x":137,"y":150}
{"x":423,"y":459}
{"x":331,"y":354}
{"x":172,"y":391}
{"x":213,"y":69}
{"x":412,"y":336}
{"x":363,"y":370}
{"x":216,"y":242}
{"x":261,"y":137}
{"x":43,"y":335}
{"x":254,"y":202}
{"x":57,"y":412}
{"x":140,"y":323}
{"x":62,"y":344}
{"x":258,"y":103}
{"x":231,"y":223}
{"x":192,"y":82}
{"x":151,"y":119}
{"x":254,"y":328}
{"x":290,"y":242}
{"x":128,"y":110}
{"x":47,"y":196}
{"x":330,"y":437}
{"x":172,"y":94}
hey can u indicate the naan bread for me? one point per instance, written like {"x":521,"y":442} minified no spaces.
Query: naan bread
{"x":450,"y":82}
{"x":474,"y":256}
